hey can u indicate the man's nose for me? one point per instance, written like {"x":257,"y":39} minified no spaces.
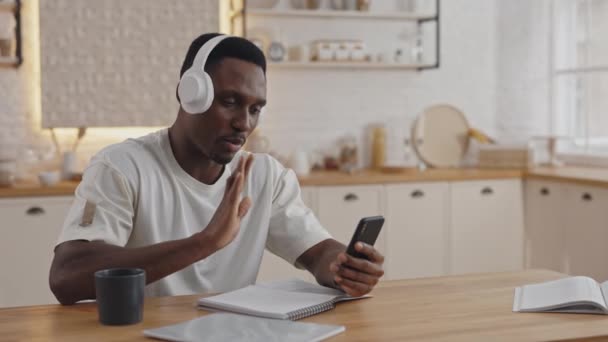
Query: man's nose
{"x":242,"y":121}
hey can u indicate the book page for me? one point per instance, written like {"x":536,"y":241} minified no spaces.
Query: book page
{"x":604,"y":288}
{"x":558,"y":293}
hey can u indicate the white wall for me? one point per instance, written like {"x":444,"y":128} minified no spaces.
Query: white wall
{"x":523,"y":68}
{"x":491,"y":55}
{"x":18,"y":89}
{"x":311,"y":108}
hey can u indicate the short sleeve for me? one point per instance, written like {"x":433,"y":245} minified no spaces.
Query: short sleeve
{"x":293,"y":227}
{"x":103,"y":208}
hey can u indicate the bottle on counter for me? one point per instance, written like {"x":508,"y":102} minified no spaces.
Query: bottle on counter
{"x":378,"y":147}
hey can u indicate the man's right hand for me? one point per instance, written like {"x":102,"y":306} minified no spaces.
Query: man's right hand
{"x":226,"y":222}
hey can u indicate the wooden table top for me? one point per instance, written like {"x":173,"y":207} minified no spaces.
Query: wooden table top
{"x":456,"y":308}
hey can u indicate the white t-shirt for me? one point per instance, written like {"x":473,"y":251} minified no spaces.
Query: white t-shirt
{"x":142,"y":197}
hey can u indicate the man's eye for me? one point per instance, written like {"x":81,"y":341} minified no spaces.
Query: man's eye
{"x":229,"y":101}
{"x":256,"y":110}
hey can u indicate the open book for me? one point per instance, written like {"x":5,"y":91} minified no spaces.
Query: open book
{"x":569,"y":295}
{"x":287,"y":299}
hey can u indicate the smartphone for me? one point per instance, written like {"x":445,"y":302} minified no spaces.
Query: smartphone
{"x":367,"y":232}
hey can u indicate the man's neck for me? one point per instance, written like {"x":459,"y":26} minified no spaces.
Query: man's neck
{"x":198,"y":166}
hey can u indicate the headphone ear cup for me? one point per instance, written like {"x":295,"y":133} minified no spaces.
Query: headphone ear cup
{"x":190,"y":91}
{"x":207,"y":92}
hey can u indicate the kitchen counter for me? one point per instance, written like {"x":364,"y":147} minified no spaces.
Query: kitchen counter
{"x":35,"y":189}
{"x":578,"y":175}
{"x":328,"y":178}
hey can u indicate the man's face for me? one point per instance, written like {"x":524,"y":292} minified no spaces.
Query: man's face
{"x":240,"y":94}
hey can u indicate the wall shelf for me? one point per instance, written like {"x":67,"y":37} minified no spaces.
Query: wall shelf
{"x":241,"y":14}
{"x":337,"y":14}
{"x":348,"y":65}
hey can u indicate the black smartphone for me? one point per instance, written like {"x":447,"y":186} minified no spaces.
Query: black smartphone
{"x":367,"y":232}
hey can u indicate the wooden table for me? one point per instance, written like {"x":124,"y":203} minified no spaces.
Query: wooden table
{"x":458,"y":308}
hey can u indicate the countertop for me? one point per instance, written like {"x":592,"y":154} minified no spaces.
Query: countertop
{"x":328,"y":178}
{"x":475,"y":307}
{"x":578,"y":175}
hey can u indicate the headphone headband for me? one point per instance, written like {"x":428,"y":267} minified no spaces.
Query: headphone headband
{"x":203,"y":53}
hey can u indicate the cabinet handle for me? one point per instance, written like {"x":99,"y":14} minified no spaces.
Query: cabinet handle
{"x":35,"y":211}
{"x":351,"y":197}
{"x":545,"y":192}
{"x":587,"y":197}
{"x":487,"y":191}
{"x":417,"y":194}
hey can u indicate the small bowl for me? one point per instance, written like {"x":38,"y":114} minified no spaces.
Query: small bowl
{"x":49,"y":178}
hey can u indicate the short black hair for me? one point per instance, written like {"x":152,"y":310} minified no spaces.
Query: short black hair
{"x":235,"y":47}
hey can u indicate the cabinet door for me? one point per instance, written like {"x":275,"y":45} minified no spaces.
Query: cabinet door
{"x":31,"y":228}
{"x":546,"y":210}
{"x":341,"y":207}
{"x":487,"y":226}
{"x":416,"y":235}
{"x":275,"y":268}
{"x":586,"y":233}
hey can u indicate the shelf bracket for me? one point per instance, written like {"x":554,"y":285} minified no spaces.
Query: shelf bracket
{"x":437,"y":21}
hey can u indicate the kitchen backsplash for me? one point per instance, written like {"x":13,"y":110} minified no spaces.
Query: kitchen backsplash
{"x":117,"y":62}
{"x":312,"y":109}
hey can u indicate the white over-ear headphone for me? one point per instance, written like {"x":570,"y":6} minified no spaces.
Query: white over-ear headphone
{"x":195,"y":87}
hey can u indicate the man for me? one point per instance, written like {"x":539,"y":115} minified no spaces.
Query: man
{"x":191,"y":209}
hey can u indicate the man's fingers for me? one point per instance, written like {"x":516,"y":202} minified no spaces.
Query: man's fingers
{"x":248,"y":163}
{"x":372,"y":253}
{"x":353,"y":288}
{"x":361,"y":265}
{"x":237,"y":186}
{"x":349,"y":273}
{"x":244,"y":207}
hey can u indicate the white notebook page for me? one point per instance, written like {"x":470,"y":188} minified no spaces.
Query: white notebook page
{"x":260,"y":301}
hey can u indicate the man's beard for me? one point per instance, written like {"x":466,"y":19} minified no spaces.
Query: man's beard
{"x":222,"y":159}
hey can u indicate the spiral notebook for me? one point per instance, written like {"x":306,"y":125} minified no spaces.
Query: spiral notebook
{"x":291,"y":299}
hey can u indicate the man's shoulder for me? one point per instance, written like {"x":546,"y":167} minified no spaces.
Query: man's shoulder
{"x":266,"y":170}
{"x":131,"y":153}
{"x":266,"y":164}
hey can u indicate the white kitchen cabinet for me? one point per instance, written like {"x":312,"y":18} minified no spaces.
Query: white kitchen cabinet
{"x":416,"y":230}
{"x":487,"y":226}
{"x":586,"y":231}
{"x":546,"y":209}
{"x":273,"y":267}
{"x":340,"y":208}
{"x":31,"y":227}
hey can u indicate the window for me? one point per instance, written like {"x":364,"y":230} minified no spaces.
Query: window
{"x":580,"y":73}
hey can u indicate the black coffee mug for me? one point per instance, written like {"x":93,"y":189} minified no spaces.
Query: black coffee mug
{"x":120,"y":295}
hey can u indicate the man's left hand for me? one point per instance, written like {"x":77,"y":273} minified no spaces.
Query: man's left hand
{"x":355,"y":276}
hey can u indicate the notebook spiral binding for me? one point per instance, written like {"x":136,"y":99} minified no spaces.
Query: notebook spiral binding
{"x":313,"y":310}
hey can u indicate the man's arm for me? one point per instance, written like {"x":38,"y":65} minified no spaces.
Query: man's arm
{"x":72,"y":271}
{"x":332,"y":267}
